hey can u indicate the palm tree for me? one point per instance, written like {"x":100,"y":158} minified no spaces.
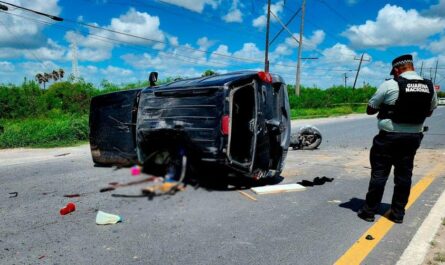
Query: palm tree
{"x":61,"y":73}
{"x":39,"y":78}
{"x":55,"y":75}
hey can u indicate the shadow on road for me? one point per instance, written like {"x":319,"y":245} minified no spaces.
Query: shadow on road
{"x":355,"y":204}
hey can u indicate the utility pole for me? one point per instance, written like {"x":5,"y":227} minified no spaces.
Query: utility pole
{"x":346,"y":78}
{"x":266,"y":57}
{"x":435,"y":72}
{"x":421,"y":69}
{"x":358,"y":70}
{"x":300,"y":47}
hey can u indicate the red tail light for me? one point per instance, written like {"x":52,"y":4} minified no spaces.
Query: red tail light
{"x":225,"y":124}
{"x":266,"y":77}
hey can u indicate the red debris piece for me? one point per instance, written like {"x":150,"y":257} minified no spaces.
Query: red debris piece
{"x":70,"y":207}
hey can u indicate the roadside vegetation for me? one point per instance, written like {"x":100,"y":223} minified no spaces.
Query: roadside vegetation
{"x":58,"y":115}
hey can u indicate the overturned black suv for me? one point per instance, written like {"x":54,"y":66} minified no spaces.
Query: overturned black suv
{"x":235,"y":123}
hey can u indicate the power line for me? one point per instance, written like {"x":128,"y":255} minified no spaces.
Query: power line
{"x":179,"y":47}
{"x":114,"y":41}
{"x":333,"y":10}
{"x":209,"y":20}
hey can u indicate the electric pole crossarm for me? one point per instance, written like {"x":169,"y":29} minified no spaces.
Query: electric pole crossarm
{"x":282,"y":29}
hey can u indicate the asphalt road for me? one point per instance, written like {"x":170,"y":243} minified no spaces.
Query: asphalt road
{"x":203,"y":225}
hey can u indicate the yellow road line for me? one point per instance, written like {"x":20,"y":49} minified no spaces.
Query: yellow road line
{"x":362,"y":247}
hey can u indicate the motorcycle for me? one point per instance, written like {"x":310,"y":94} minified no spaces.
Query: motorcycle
{"x":308,"y":137}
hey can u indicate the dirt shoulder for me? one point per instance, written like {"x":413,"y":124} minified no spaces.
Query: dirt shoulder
{"x":436,"y":253}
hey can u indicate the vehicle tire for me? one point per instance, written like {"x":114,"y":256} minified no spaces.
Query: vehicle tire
{"x":310,"y":138}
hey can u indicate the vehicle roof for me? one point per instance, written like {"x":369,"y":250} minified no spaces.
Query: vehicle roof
{"x":214,"y":80}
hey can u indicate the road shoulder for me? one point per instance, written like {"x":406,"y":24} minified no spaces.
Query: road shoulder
{"x":420,"y":245}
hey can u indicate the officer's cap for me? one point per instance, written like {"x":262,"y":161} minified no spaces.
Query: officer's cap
{"x":401,"y":60}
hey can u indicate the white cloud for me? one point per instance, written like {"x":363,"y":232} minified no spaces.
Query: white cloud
{"x":6,"y":67}
{"x":20,"y":33}
{"x":339,"y":53}
{"x":394,"y":27}
{"x":53,"y":51}
{"x":250,"y":51}
{"x":235,"y":14}
{"x":220,"y":56}
{"x":142,"y":61}
{"x":95,"y":47}
{"x":138,"y":24}
{"x":437,"y":46}
{"x":173,"y":41}
{"x":204,"y":43}
{"x":116,"y":71}
{"x":194,"y":5}
{"x":277,"y":8}
{"x":316,"y":39}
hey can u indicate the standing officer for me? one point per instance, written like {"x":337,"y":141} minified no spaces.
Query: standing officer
{"x":402,"y":103}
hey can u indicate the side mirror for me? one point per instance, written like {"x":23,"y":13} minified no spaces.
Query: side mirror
{"x":153,"y":78}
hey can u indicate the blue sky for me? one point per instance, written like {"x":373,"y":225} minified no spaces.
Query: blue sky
{"x":186,"y":37}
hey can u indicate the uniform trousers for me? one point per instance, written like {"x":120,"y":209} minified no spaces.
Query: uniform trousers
{"x":392,"y":149}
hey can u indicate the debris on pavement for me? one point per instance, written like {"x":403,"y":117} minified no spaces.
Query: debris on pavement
{"x":41,"y":257}
{"x":164,"y":188}
{"x":70,"y":207}
{"x":271,"y":189}
{"x":71,"y":195}
{"x":113,"y":187}
{"x":13,"y":194}
{"x":317,"y":181}
{"x":136,"y":170}
{"x":64,"y":154}
{"x":103,"y":218}
{"x":335,"y":201}
{"x":247,"y":195}
{"x":369,"y":237}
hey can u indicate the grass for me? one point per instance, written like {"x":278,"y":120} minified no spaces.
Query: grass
{"x":327,"y":112}
{"x":66,"y":130}
{"x":58,"y":130}
{"x":439,"y":256}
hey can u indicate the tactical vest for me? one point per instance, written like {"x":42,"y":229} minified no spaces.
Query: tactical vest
{"x":413,"y":104}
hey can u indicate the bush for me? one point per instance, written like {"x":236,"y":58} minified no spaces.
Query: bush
{"x":44,"y":132}
{"x":21,"y":101}
{"x":329,"y":98}
{"x":70,"y":97}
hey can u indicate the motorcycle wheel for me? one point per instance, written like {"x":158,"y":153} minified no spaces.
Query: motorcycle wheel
{"x":310,"y":138}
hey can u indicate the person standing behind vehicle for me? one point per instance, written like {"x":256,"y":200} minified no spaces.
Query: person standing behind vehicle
{"x":403,"y":104}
